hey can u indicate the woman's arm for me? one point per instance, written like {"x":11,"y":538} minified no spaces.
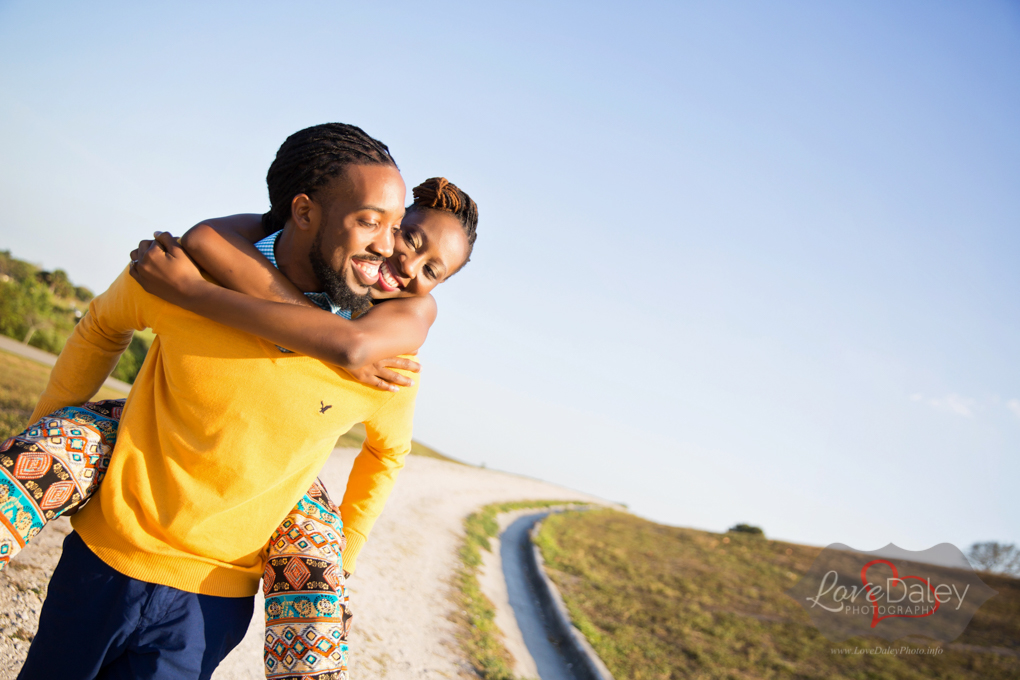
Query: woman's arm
{"x":396,"y":327}
{"x":224,"y":248}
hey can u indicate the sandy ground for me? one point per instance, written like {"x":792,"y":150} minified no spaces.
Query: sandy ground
{"x":401,"y":591}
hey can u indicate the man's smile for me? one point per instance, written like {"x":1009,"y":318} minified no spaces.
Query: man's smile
{"x":366,"y":270}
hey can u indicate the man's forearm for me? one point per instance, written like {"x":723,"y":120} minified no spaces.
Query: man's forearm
{"x":80,"y":370}
{"x":375,"y":470}
{"x":368,"y":488}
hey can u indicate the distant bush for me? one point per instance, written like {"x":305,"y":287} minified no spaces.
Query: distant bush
{"x":40,"y":308}
{"x":131,"y":360}
{"x":83,"y":294}
{"x":29,"y":310}
{"x":57,"y":282}
{"x":992,"y":556}
{"x":746,"y":529}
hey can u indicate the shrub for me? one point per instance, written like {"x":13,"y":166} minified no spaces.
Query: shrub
{"x":994,"y":556}
{"x":746,"y":529}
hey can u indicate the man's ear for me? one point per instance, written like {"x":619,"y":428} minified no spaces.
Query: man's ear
{"x":305,"y":213}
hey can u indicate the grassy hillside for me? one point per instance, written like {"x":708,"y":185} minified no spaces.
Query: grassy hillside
{"x":662,"y":602}
{"x":41,"y":308}
{"x":21,"y":383}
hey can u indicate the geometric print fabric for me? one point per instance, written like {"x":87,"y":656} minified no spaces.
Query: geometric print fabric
{"x":51,"y":469}
{"x":308,"y":614}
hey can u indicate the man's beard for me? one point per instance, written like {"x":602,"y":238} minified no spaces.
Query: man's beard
{"x":334,"y":284}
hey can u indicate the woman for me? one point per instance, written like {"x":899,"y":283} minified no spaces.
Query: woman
{"x":54,"y":466}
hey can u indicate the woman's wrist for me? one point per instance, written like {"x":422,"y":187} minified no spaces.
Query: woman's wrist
{"x":196,"y":296}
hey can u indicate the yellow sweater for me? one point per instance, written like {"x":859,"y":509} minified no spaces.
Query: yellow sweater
{"x":221,"y":435}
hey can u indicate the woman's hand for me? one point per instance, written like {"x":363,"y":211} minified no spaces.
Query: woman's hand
{"x":163,"y":268}
{"x":381,"y":375}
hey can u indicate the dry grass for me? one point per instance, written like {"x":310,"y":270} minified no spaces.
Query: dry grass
{"x":21,"y":383}
{"x":662,"y":602}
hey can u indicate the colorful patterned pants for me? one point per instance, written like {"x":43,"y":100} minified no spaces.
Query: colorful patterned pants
{"x":54,"y":466}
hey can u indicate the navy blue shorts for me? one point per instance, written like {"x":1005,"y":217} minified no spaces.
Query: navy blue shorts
{"x":98,"y":623}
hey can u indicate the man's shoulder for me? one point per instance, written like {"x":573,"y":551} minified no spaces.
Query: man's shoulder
{"x":125,"y":294}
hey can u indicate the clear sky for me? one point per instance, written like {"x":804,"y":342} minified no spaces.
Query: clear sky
{"x":737,"y":262}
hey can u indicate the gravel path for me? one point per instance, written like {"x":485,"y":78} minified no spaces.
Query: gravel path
{"x":401,"y":592}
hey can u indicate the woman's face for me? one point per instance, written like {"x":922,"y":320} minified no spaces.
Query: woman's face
{"x":430,"y":246}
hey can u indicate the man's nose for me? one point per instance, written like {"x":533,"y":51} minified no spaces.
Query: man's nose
{"x":382,"y":243}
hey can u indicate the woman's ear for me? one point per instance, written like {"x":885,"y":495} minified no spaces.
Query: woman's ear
{"x":305,"y":213}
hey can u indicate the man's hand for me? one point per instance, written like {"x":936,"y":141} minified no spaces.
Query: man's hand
{"x":164,"y":269}
{"x":381,"y":375}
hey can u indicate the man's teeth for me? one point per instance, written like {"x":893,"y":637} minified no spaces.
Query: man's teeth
{"x":371,"y":269}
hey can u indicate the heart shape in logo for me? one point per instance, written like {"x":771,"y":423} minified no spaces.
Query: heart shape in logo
{"x":875,"y":618}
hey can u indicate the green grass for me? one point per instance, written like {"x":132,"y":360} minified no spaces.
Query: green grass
{"x":662,"y":602}
{"x":480,"y":638}
{"x":21,"y":383}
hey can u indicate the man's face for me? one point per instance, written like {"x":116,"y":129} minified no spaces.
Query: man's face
{"x":361,"y":211}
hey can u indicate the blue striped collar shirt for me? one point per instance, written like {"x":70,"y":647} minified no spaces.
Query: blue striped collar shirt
{"x":267,"y":247}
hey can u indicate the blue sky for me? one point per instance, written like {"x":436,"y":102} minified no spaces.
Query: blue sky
{"x":736,"y":262}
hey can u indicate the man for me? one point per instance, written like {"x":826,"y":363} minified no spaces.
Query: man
{"x":221,"y":435}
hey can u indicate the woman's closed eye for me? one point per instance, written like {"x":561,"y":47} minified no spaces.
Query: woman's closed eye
{"x":413,"y":239}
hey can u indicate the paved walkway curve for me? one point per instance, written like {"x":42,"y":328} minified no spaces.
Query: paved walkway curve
{"x":558,"y":649}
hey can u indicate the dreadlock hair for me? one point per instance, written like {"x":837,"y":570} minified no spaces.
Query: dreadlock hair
{"x":438,"y":193}
{"x":310,"y":159}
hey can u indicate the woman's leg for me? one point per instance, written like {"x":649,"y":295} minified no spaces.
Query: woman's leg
{"x":307,"y":611}
{"x":52,"y":468}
